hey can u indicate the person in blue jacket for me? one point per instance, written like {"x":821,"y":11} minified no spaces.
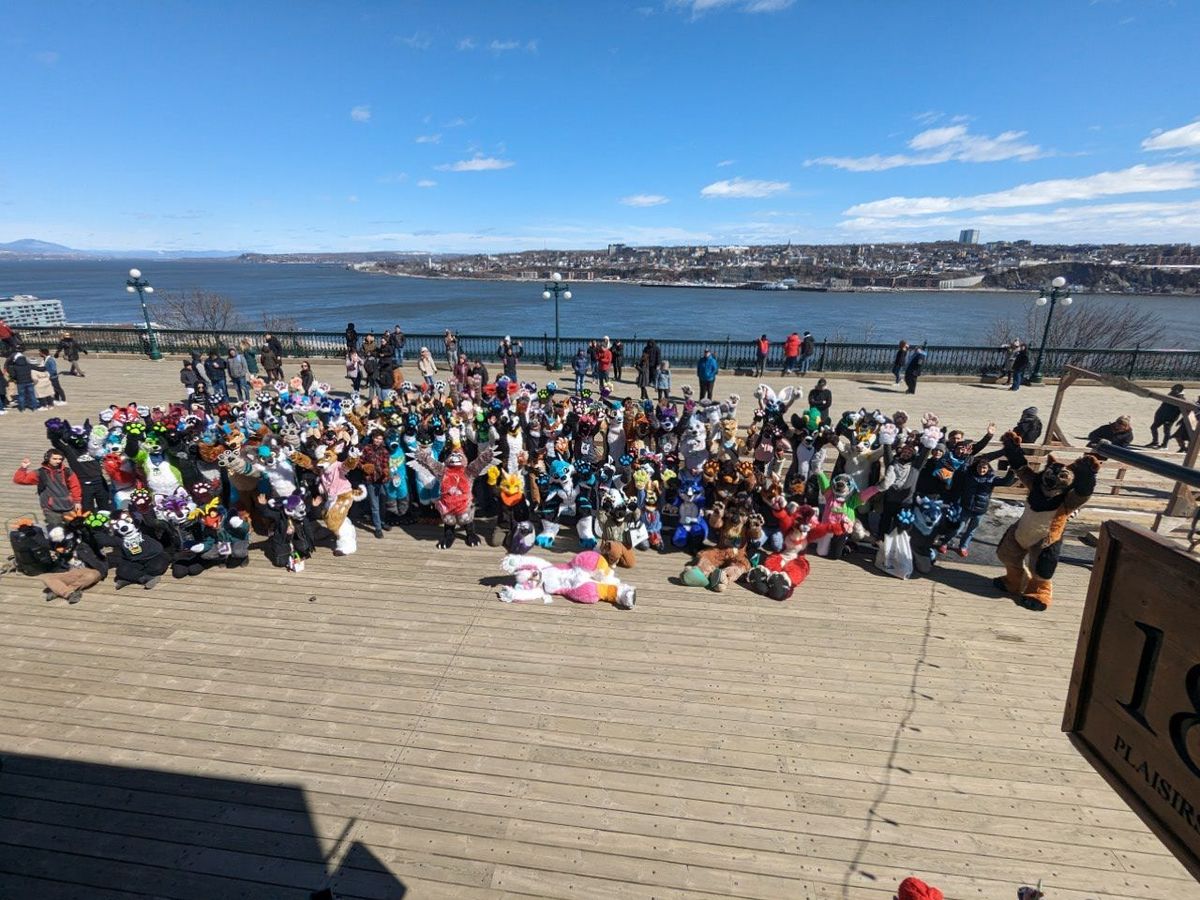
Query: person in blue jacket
{"x":706,"y":371}
{"x":973,"y":486}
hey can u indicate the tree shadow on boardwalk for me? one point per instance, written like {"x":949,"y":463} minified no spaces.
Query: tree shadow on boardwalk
{"x":72,"y":829}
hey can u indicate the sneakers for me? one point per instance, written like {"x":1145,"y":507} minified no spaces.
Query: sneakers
{"x":941,"y":548}
{"x":963,"y":551}
{"x":379,"y":533}
{"x":74,"y":597}
{"x":60,"y":402}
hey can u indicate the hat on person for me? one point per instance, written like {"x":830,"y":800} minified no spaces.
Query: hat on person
{"x":1177,"y":390}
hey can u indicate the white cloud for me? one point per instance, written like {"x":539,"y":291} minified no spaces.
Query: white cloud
{"x":1185,"y":137}
{"x":939,"y":145}
{"x":529,"y":46}
{"x":418,"y":40}
{"x":645,"y":200}
{"x":361,"y":113}
{"x":700,"y":7}
{"x":744,"y":187}
{"x":725,"y":162}
{"x":457,"y":122}
{"x":426,"y":183}
{"x":477,"y":163}
{"x":429,"y":139}
{"x":467,"y":43}
{"x":1150,"y":221}
{"x":1134,"y":180}
{"x":47,"y":57}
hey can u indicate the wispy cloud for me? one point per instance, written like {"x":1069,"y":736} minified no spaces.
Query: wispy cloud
{"x":508,"y":46}
{"x":47,"y":57}
{"x":477,"y":163}
{"x":645,"y":200}
{"x":744,"y":187}
{"x":426,"y":183}
{"x":938,"y":145}
{"x":1134,"y":180}
{"x":467,"y":43}
{"x":456,"y":122}
{"x":1185,"y":137}
{"x":1150,"y":221}
{"x":700,"y":7}
{"x":361,"y":113}
{"x":418,"y":40}
{"x":725,"y":162}
{"x":428,"y":139}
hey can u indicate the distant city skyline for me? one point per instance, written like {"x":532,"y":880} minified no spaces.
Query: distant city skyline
{"x":484,"y":127}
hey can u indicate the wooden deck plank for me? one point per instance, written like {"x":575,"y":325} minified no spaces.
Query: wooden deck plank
{"x":222,"y":736}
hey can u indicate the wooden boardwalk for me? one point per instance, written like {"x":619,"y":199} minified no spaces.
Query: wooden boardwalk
{"x":382,"y":723}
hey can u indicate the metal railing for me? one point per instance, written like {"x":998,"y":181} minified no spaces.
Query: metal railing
{"x":829,"y":356}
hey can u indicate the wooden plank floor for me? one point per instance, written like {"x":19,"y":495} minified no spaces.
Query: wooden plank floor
{"x":381,"y":723}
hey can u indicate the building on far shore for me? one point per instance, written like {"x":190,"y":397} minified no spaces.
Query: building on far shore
{"x":969,"y":236}
{"x":27,"y":311}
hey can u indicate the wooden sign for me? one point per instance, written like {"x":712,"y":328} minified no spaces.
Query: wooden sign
{"x":1134,"y":705}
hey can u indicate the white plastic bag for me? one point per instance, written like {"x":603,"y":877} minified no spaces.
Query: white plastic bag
{"x":895,"y":555}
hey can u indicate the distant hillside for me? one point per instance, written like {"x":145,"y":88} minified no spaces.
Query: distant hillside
{"x":1101,"y":279}
{"x":28,"y":248}
{"x":28,"y":245}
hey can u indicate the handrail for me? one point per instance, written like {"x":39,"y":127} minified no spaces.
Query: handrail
{"x":829,"y":356}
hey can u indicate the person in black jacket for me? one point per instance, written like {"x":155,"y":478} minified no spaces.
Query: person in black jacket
{"x":1118,"y":433}
{"x":71,"y":348}
{"x":1020,"y":364}
{"x":21,"y":370}
{"x":351,"y":337}
{"x":1164,"y":417}
{"x":912,"y":371}
{"x":87,"y":468}
{"x":821,"y":398}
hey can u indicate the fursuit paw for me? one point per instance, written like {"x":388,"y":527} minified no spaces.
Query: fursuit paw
{"x":471,"y":540}
{"x":587,"y":543}
{"x":779,"y":586}
{"x":757,"y":578}
{"x":692,"y":576}
{"x":544,"y":540}
{"x":718,"y":580}
{"x":510,"y":564}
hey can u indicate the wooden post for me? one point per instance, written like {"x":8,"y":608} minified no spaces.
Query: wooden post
{"x":1054,"y":434}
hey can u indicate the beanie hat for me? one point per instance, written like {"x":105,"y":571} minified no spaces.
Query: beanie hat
{"x":915,"y":889}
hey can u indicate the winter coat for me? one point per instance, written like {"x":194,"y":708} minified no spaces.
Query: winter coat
{"x":236,"y":366}
{"x":662,"y":380}
{"x":215,"y":369}
{"x":69,"y":348}
{"x":791,"y":346}
{"x":707,"y":368}
{"x":188,"y":377}
{"x":807,"y":345}
{"x":1029,"y":429}
{"x":653,"y":355}
{"x":604,"y":359}
{"x":974,"y":492}
{"x":1110,"y":433}
{"x":916,"y":360}
{"x":20,"y":369}
{"x":580,"y":364}
{"x":426,"y":364}
{"x":58,"y":489}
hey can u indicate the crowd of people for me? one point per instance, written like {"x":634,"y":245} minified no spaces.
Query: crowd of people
{"x":183,"y":487}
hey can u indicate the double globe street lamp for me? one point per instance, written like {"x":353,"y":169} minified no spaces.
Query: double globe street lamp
{"x":1057,"y":294}
{"x":556,"y":288}
{"x":140,"y":286}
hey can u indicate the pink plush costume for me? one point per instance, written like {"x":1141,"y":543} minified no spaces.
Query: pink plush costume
{"x":587,"y":578}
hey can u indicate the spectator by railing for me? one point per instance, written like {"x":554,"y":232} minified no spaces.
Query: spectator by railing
{"x":830,"y":356}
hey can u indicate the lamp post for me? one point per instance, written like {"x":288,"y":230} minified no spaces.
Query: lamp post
{"x":140,"y":286}
{"x":1058,"y":293}
{"x":556,"y":287}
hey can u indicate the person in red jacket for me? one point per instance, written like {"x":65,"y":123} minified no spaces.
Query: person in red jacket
{"x":791,"y":352}
{"x":58,"y":488}
{"x":604,"y":362}
{"x":762,"y":347}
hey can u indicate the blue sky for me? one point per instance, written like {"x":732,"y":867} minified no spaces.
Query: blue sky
{"x":451,"y":126}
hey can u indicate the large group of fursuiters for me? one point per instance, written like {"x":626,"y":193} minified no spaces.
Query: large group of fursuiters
{"x":146,"y":492}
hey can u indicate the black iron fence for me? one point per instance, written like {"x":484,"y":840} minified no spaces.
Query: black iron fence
{"x":683,"y":354}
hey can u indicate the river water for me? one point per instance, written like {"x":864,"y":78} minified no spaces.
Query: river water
{"x":326,"y":297}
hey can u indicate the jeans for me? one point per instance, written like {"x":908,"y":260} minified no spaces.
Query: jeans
{"x":429,"y":380}
{"x":788,"y":363}
{"x":966,"y":531}
{"x":1018,"y":376}
{"x":26,"y":398}
{"x":805,"y":362}
{"x":242,"y":386}
{"x":579,"y":382}
{"x":372,"y":390}
{"x":219,"y":389}
{"x":376,"y":496}
{"x":910,"y":379}
{"x":897,"y":371}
